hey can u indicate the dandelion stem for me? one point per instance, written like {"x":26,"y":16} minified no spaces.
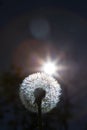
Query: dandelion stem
{"x":39,"y":116}
{"x":39,"y":94}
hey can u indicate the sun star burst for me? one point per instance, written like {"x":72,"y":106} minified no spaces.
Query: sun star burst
{"x":49,"y":68}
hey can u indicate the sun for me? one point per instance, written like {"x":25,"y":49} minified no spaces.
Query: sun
{"x":49,"y":68}
{"x":52,"y":67}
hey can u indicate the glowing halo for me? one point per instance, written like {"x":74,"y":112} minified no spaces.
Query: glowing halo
{"x":44,"y":81}
{"x":49,"y":68}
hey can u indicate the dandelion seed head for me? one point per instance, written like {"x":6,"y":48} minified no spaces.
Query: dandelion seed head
{"x":47,"y":83}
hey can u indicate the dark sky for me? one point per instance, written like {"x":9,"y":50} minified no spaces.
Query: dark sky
{"x":64,"y":27}
{"x":31,"y":28}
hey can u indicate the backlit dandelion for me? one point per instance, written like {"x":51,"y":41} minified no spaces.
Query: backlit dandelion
{"x":41,"y":81}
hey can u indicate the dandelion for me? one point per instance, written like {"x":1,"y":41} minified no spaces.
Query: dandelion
{"x":36,"y":84}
